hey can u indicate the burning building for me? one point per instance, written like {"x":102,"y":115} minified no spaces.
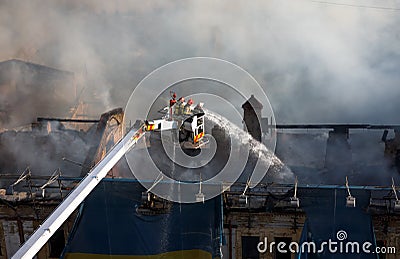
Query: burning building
{"x":119,"y":218}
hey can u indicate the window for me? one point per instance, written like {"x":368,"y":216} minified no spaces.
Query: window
{"x":200,"y":129}
{"x":287,"y":241}
{"x":249,"y":247}
{"x":57,"y":243}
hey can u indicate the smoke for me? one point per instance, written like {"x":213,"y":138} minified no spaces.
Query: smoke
{"x":43,"y":153}
{"x":258,"y":150}
{"x":317,"y":62}
{"x":28,"y":91}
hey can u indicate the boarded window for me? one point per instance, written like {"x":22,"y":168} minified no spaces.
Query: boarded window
{"x":249,"y":247}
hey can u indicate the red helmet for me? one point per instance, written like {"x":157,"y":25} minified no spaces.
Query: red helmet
{"x":190,"y":102}
{"x":182,"y":99}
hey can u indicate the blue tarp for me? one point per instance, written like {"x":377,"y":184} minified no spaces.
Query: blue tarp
{"x":327,"y":214}
{"x":109,"y":224}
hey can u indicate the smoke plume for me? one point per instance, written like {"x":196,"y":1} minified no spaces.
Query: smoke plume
{"x":318,"y":62}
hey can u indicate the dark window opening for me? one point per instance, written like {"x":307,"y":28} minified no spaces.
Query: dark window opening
{"x":249,"y":247}
{"x":287,"y":241}
{"x":57,"y":243}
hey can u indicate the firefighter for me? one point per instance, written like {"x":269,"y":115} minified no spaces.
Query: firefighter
{"x":173,"y":99}
{"x":187,"y":108}
{"x":172,"y":102}
{"x":198,"y":108}
{"x":179,"y":106}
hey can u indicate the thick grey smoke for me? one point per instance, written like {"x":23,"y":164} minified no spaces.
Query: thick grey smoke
{"x":318,"y":62}
{"x":42,"y":152}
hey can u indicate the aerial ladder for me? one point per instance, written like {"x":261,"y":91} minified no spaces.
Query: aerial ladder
{"x":190,"y":124}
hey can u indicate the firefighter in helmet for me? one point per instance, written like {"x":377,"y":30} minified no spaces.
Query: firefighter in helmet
{"x":172,"y":102}
{"x":173,"y":99}
{"x":187,"y":108}
{"x":198,"y":108}
{"x":179,"y":106}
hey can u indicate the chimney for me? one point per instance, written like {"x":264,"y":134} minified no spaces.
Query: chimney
{"x":252,"y":117}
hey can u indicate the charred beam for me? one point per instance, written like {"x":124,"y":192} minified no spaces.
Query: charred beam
{"x":337,"y":127}
{"x":40,"y":119}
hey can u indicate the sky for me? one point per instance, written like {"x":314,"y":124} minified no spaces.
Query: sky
{"x":318,"y":62}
